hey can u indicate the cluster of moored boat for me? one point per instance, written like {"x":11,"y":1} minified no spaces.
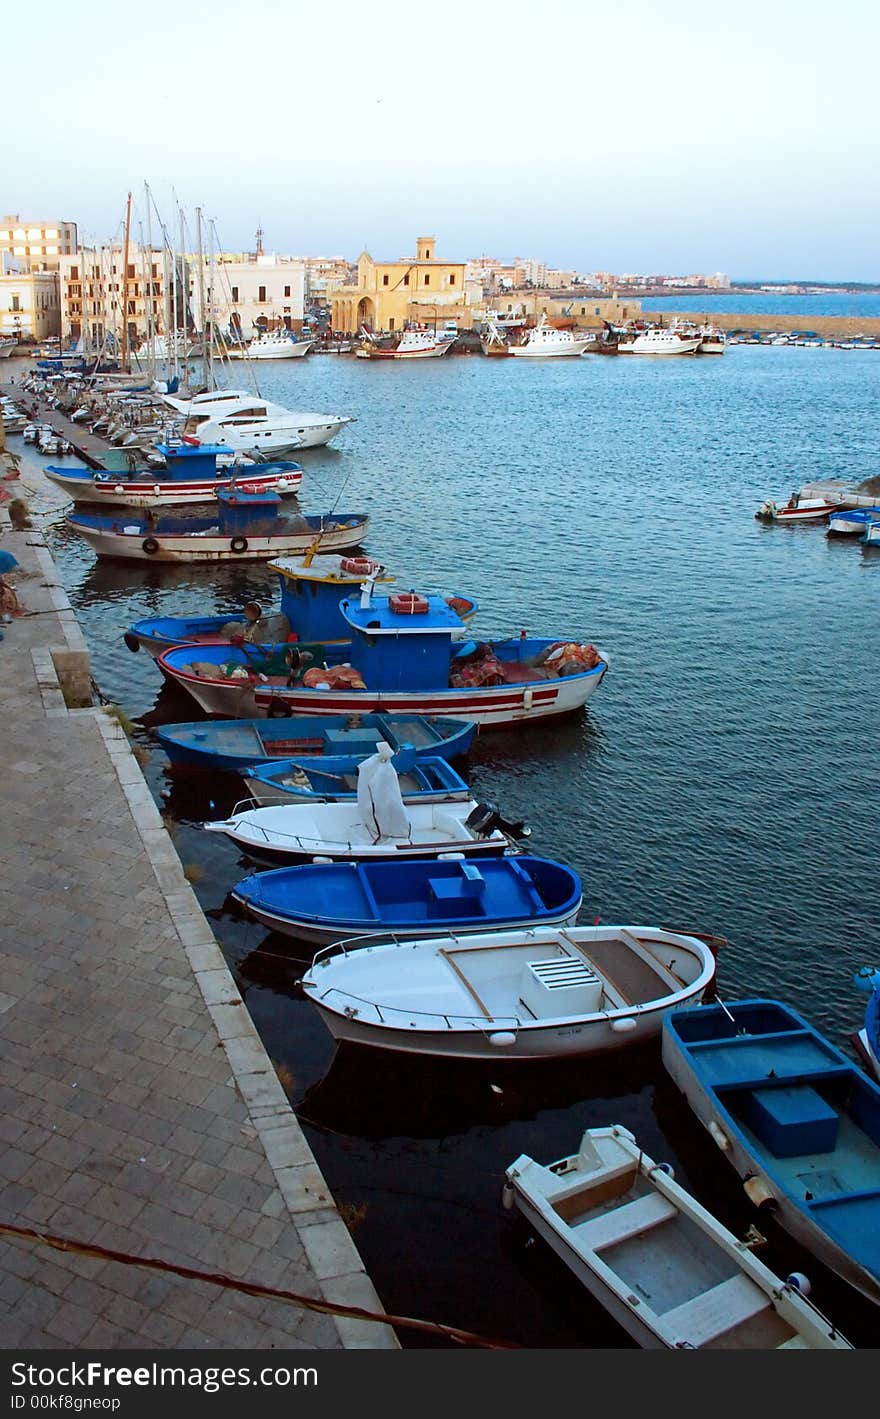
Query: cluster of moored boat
{"x":440,"y":935}
{"x":844,"y":512}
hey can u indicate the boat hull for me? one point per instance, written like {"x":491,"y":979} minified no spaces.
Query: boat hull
{"x":523,"y":352}
{"x":500,"y":705}
{"x":115,"y":491}
{"x":236,"y":744}
{"x":123,"y":546}
{"x":304,"y":930}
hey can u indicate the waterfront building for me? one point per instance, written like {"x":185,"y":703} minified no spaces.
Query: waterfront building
{"x":36,"y":246}
{"x":251,"y":293}
{"x":95,"y":288}
{"x":29,"y":305}
{"x":389,"y":294}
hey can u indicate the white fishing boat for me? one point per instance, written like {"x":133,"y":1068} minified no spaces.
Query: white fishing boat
{"x":414,"y":344}
{"x":272,"y":345}
{"x":7,"y":345}
{"x":544,"y":341}
{"x":342,"y":832}
{"x":657,"y":341}
{"x":666,"y":1269}
{"x":797,"y":509}
{"x":538,"y":993}
{"x":245,"y":422}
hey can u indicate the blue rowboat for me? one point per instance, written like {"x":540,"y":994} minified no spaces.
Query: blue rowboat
{"x":852,"y":521}
{"x":797,"y":1120}
{"x":867,"y":1039}
{"x":327,"y":902}
{"x":334,"y":778}
{"x":233,"y":744}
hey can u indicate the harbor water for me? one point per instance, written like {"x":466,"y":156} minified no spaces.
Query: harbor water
{"x":723,"y":779}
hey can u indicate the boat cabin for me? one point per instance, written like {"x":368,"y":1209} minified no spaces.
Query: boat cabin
{"x":311,"y":587}
{"x":402,"y":641}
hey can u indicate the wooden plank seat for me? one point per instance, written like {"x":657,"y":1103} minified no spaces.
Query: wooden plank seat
{"x":717,"y":1311}
{"x":625,"y":1222}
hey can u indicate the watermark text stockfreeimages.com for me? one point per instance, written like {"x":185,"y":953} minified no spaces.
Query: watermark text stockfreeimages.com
{"x":94,"y":1374}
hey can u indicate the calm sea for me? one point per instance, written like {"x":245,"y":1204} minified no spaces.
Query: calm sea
{"x":767,"y":303}
{"x":725,"y":777}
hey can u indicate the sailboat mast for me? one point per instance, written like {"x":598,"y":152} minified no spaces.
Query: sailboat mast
{"x":201,"y":277}
{"x":148,"y":292}
{"x":125,"y":288}
{"x":173,"y":323}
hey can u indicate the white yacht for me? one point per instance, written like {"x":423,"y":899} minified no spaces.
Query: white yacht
{"x":272,"y":345}
{"x":657,"y":341}
{"x":247,"y":423}
{"x":414,"y":344}
{"x":545,"y":340}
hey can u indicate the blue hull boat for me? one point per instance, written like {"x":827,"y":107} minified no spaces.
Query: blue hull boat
{"x":331,"y":901}
{"x":796,"y":1119}
{"x":867,"y":1039}
{"x":230,"y":745}
{"x":334,"y":778}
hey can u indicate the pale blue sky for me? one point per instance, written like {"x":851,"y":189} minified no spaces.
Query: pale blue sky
{"x":671,"y":137}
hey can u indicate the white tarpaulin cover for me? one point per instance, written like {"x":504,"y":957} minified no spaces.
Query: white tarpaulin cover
{"x":379,"y":798}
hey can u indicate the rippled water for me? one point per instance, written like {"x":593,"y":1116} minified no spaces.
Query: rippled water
{"x":724,"y":777}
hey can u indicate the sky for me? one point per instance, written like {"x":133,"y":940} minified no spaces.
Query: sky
{"x":638,"y":137}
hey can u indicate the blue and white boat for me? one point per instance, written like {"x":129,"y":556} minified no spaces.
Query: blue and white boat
{"x":222,"y":676}
{"x":247,"y":527}
{"x":334,"y":777}
{"x":233,"y":744}
{"x":189,"y":474}
{"x":795,"y":1118}
{"x":327,"y":902}
{"x":867,"y":1039}
{"x":852,"y":521}
{"x":405,"y":658}
{"x":311,"y":587}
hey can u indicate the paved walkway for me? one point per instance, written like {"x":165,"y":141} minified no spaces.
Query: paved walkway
{"x":138,"y":1108}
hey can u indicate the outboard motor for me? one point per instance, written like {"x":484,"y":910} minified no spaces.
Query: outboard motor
{"x":486,"y":818}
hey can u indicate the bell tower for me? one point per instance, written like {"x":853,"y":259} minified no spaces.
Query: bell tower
{"x":425,"y":248}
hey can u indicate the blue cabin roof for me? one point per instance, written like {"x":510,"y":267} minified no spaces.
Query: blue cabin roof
{"x":191,"y":452}
{"x":379,"y":618}
{"x":401,"y":650}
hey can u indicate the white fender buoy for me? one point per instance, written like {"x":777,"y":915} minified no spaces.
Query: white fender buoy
{"x":502,"y":1038}
{"x":507,"y":1197}
{"x":719,"y":1136}
{"x":799,"y":1282}
{"x":624,"y":1026}
{"x":119,"y":488}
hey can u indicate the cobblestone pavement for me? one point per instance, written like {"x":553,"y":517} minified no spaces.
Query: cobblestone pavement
{"x":138,"y":1108}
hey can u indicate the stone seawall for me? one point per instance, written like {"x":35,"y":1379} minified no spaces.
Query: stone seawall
{"x":840,"y":327}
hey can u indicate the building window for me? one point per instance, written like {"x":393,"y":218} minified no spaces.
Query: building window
{"x":391,"y":322}
{"x":235,"y":293}
{"x":598,"y":311}
{"x":427,"y":280}
{"x":406,"y":279}
{"x":452,"y":278}
{"x":287,"y":290}
{"x":130,"y":271}
{"x":261,"y":295}
{"x":384,"y":280}
{"x":16,"y":304}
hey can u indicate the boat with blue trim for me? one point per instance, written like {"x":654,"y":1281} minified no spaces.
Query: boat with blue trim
{"x":333,"y":778}
{"x":233,"y":744}
{"x":798,"y":1121}
{"x":867,"y":1039}
{"x":188,"y":474}
{"x":327,"y":902}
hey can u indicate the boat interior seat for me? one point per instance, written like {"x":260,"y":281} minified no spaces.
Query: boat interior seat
{"x":720,"y":1309}
{"x":586,"y":1192}
{"x":623,"y":1223}
{"x":460,"y":895}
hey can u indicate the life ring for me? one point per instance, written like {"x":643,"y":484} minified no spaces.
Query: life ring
{"x":238,"y":544}
{"x":358,"y":566}
{"x":408,"y":603}
{"x":150,"y":545}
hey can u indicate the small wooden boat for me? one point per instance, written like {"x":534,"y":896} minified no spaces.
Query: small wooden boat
{"x":337,"y":832}
{"x":334,"y":778}
{"x":796,"y":1119}
{"x":188,"y":475}
{"x":668,"y":1271}
{"x":234,"y":744}
{"x":852,"y":521}
{"x":797,"y":509}
{"x":247,"y":527}
{"x":527,"y":992}
{"x":222,"y":677}
{"x":329,"y":901}
{"x":867,"y":1039}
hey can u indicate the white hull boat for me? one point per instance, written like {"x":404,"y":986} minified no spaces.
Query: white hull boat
{"x":667,"y":1270}
{"x":545,"y":341}
{"x":274,"y":345}
{"x":539,"y":993}
{"x":413,"y":345}
{"x":660,"y":342}
{"x":136,"y":542}
{"x":317,"y":831}
{"x":117,"y":490}
{"x":245,"y":422}
{"x":797,"y":509}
